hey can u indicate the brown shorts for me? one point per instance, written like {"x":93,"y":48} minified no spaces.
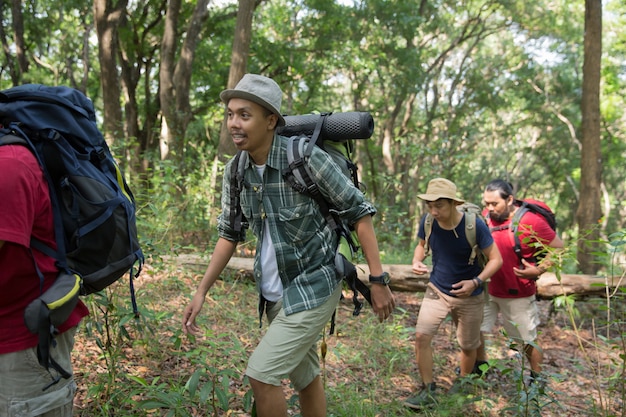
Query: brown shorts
{"x":466,"y":313}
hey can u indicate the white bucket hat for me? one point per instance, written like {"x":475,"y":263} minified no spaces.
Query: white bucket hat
{"x":260,"y":90}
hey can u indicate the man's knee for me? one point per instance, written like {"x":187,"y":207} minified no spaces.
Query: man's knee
{"x":260,"y":387}
{"x":422,"y":339}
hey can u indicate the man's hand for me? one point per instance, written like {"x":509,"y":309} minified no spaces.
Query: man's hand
{"x":419,"y":268}
{"x":530,"y":271}
{"x":463,"y":289}
{"x":190,"y":314}
{"x":383,"y":302}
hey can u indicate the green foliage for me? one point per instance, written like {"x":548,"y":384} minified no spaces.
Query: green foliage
{"x":609,"y":330}
{"x":110,"y":325}
{"x":470,"y":91}
{"x":178,"y":212}
{"x":146,"y":366}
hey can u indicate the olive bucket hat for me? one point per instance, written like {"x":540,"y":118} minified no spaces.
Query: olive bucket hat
{"x":259,"y":89}
{"x":441,"y":188}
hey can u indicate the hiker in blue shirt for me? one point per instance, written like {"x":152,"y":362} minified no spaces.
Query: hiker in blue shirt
{"x":455,"y":287}
{"x":294,"y":264}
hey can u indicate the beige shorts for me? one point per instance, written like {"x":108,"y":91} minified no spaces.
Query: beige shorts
{"x":289,"y":347}
{"x":466,"y":313}
{"x":520,"y":317}
{"x":23,"y":379}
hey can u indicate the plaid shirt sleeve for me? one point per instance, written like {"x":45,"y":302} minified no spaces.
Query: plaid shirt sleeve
{"x":337,"y":188}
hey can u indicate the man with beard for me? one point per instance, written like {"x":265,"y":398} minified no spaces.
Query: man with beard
{"x":512,"y":290}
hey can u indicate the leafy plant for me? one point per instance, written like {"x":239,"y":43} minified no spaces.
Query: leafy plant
{"x":609,"y":333}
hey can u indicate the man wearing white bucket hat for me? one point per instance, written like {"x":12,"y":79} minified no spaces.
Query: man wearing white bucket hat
{"x":455,"y":287}
{"x":294,"y":264}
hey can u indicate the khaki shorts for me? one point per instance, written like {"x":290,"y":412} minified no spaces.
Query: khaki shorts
{"x":520,"y":317}
{"x":289,"y":347}
{"x":466,"y":313}
{"x":23,"y":380}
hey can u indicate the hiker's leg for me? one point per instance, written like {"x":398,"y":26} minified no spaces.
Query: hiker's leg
{"x":468,"y":358}
{"x":535,"y":357}
{"x":481,"y":352}
{"x":490,"y":314}
{"x":269,"y":399}
{"x":306,"y":376}
{"x":306,"y":380}
{"x":313,"y":399}
{"x":424,"y":356}
{"x":289,"y":348}
{"x":521,"y":320}
{"x":433,"y":311}
{"x":467,"y":314}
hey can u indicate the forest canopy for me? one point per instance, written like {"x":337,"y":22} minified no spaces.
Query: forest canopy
{"x":471,"y":91}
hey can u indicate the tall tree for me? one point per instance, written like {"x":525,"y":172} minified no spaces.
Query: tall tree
{"x":175,"y":75}
{"x":589,"y":207}
{"x":107,"y":17}
{"x":20,"y":47}
{"x":239,"y":63}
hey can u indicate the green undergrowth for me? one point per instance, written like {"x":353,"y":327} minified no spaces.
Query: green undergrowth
{"x":144,"y":366}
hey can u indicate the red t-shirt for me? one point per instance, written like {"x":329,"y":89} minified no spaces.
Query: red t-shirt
{"x":532,"y":228}
{"x":25,"y":211}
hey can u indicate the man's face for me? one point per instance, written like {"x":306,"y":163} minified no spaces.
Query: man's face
{"x":441,"y":209}
{"x":251,"y":126}
{"x":499,"y":208}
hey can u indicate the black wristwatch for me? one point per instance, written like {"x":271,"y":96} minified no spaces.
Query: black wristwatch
{"x":380,"y":279}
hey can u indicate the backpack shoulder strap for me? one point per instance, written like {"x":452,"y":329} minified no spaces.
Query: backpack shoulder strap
{"x":237,"y":168}
{"x":470,"y":235}
{"x":428,"y":229}
{"x":9,"y":139}
{"x":517,"y":217}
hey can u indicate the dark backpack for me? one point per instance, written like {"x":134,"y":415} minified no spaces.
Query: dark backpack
{"x":473,"y":213}
{"x":334,"y":134}
{"x":93,"y":207}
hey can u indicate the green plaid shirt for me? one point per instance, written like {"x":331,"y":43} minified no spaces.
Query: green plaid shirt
{"x":305,"y":245}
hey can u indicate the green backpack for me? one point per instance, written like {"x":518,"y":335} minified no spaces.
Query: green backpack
{"x":472,"y":213}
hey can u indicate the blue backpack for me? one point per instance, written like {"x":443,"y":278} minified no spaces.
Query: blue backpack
{"x":93,"y":207}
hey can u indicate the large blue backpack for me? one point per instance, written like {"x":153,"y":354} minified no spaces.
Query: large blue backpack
{"x":94,"y":209}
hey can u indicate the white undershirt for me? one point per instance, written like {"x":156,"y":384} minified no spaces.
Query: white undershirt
{"x":271,"y":286}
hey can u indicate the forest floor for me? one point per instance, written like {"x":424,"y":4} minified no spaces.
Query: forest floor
{"x":579,"y":363}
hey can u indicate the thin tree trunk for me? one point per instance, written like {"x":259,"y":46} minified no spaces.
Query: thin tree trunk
{"x":589,"y":209}
{"x":107,"y":17}
{"x":238,"y":65}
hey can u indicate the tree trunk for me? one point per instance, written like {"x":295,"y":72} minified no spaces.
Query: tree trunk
{"x":238,"y":65}
{"x":107,"y":18}
{"x":589,"y":208}
{"x":17,"y":73}
{"x":175,"y":76}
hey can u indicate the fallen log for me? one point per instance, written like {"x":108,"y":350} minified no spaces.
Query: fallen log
{"x":403,"y":278}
